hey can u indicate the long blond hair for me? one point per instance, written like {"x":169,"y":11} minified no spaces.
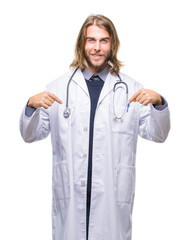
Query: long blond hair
{"x":101,"y":21}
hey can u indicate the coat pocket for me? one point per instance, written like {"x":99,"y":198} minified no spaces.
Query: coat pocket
{"x":61,"y":185}
{"x":125,"y":183}
{"x":126,"y":124}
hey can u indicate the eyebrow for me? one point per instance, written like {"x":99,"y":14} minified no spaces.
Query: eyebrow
{"x":105,"y":38}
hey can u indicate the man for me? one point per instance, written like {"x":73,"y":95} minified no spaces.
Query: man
{"x":94,"y":147}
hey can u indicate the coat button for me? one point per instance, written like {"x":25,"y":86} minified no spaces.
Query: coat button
{"x":85,"y":129}
{"x":83,"y":183}
{"x":84,"y":155}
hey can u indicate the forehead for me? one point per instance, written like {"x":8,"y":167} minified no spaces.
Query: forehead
{"x":94,"y":31}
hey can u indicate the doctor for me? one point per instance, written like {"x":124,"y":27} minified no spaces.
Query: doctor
{"x":94,"y":148}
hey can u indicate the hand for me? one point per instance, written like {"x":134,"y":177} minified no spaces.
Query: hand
{"x":145,"y":96}
{"x":44,"y":99}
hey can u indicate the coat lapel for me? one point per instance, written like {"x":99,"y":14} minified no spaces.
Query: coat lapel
{"x":78,"y":78}
{"x":108,"y":86}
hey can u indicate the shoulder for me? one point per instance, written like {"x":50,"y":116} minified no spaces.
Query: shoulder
{"x":60,"y":81}
{"x":130,"y":81}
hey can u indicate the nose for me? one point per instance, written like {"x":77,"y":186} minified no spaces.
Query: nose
{"x":97,"y":46}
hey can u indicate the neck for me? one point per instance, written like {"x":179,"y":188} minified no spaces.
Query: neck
{"x":96,"y":70}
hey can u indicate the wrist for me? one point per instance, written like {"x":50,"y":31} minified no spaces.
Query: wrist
{"x":159,"y":102}
{"x":29,"y":103}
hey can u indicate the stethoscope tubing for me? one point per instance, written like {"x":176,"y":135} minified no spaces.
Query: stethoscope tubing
{"x":70,"y":79}
{"x":67,"y":110}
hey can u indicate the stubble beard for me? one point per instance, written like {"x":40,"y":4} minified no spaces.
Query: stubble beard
{"x":97,"y":67}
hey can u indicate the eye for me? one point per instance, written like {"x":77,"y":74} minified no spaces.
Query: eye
{"x":105,"y":40}
{"x":90,"y":40}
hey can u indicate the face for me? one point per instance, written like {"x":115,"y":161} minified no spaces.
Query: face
{"x":97,"y":48}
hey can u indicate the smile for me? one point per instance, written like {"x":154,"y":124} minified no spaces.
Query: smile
{"x":95,"y":56}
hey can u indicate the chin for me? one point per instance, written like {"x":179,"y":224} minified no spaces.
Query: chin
{"x":98,"y":65}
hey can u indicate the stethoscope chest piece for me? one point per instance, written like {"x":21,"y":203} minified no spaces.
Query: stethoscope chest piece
{"x":67,"y":112}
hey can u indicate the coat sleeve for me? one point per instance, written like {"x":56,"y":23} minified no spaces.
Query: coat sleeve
{"x":154,"y":124}
{"x":35,"y":127}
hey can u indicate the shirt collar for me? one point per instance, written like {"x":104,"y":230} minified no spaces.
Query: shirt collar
{"x":103,"y":74}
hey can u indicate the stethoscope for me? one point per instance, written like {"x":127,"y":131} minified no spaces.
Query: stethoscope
{"x":67,"y":111}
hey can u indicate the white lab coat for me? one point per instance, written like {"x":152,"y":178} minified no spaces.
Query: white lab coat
{"x":114,"y":153}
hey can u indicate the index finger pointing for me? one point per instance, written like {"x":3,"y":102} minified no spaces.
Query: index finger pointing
{"x":133,"y":98}
{"x":55,"y":98}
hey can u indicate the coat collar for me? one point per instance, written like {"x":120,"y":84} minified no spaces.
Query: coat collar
{"x":88,"y":74}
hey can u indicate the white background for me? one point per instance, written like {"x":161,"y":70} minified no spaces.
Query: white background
{"x":36,"y":46}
